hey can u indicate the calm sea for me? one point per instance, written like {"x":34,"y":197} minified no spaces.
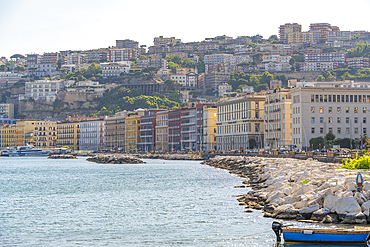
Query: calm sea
{"x":47,"y":202}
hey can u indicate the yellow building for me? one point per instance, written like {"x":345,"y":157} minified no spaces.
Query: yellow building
{"x":209,"y":128}
{"x":68,"y":134}
{"x":45,"y":134}
{"x":161,"y":130}
{"x":25,"y":132}
{"x":278,"y":120}
{"x":8,"y":136}
{"x":132,"y":130}
{"x":300,"y":37}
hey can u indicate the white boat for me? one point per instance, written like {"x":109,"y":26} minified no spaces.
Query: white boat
{"x":24,"y":151}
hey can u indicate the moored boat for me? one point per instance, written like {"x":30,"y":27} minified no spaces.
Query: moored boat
{"x":329,"y":236}
{"x":24,"y":151}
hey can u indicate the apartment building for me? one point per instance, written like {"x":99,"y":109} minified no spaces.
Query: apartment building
{"x":209,"y":128}
{"x":214,"y":79}
{"x":216,"y":58}
{"x":132,"y":132}
{"x":337,"y":57}
{"x":114,"y":69}
{"x":159,"y":63}
{"x":319,"y":107}
{"x":161,"y":131}
{"x":189,"y":80}
{"x":236,"y":59}
{"x":318,"y":66}
{"x":320,"y":31}
{"x":288,"y":28}
{"x":8,"y":79}
{"x":188,"y":129}
{"x":43,"y":90}
{"x":45,"y":134}
{"x":122,"y":54}
{"x":358,"y":62}
{"x":277,"y":116}
{"x":114,"y":137}
{"x":200,"y":123}
{"x":50,"y":58}
{"x":162,"y":41}
{"x":33,"y":58}
{"x":174,"y":129}
{"x":333,"y":36}
{"x":68,"y":134}
{"x":240,"y":123}
{"x":25,"y":129}
{"x":127,"y":43}
{"x":299,"y":37}
{"x":76,"y":58}
{"x":7,"y":109}
{"x":92,"y":135}
{"x":96,"y":55}
{"x":147,"y":131}
{"x":224,"y":89}
{"x":8,"y":136}
{"x":42,"y":70}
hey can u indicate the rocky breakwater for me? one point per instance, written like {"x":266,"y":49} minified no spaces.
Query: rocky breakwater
{"x":114,"y":159}
{"x":304,"y":190}
{"x":62,"y":156}
{"x":169,"y":156}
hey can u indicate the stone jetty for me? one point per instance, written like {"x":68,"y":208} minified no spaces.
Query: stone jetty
{"x":114,"y":159}
{"x":169,"y":156}
{"x":62,"y":156}
{"x":303,"y":190}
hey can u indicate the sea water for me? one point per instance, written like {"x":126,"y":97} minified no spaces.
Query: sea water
{"x":47,"y":202}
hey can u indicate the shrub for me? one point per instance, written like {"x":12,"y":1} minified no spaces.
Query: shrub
{"x":362,"y":162}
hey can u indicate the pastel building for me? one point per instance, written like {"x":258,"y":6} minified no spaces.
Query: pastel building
{"x":92,"y":135}
{"x":161,"y":130}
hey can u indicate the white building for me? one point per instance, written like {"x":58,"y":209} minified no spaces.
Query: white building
{"x":42,"y":70}
{"x":189,"y":80}
{"x":7,"y":79}
{"x":247,"y":89}
{"x":115,"y":69}
{"x":7,"y":109}
{"x":235,"y":60}
{"x":224,"y":89}
{"x":92,"y":135}
{"x":216,"y":58}
{"x":45,"y":90}
{"x":318,"y":108}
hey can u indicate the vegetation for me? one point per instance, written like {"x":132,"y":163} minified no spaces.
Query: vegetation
{"x":91,"y":73}
{"x":258,"y":82}
{"x":305,"y":181}
{"x":362,"y":162}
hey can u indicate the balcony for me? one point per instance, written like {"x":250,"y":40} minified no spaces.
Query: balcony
{"x":189,"y":116}
{"x":146,"y":136}
{"x":185,"y":124}
{"x":189,"y":140}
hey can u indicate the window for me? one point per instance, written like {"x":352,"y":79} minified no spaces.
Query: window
{"x":331,"y":130}
{"x":347,"y":98}
{"x":364,"y":120}
{"x":355,"y":99}
{"x":363,"y":109}
{"x":325,"y":98}
{"x":347,"y":130}
{"x":321,"y":109}
{"x":347,"y":109}
{"x":329,"y":98}
{"x":347,"y":120}
{"x":330,"y":120}
{"x":356,"y":130}
{"x":364,"y":130}
{"x":338,"y":119}
{"x":355,"y":109}
{"x":338,"y":109}
{"x":330,"y":110}
{"x":321,"y":130}
{"x":321,"y":100}
{"x":312,"y":120}
{"x":351,"y":98}
{"x":334,"y":98}
{"x":342,"y":98}
{"x":312,"y":98}
{"x":338,"y":130}
{"x":359,"y":98}
{"x":312,"y":109}
{"x":317,"y":98}
{"x":321,"y":120}
{"x":355,"y":120}
{"x":312,"y":130}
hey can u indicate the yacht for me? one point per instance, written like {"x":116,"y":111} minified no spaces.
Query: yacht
{"x":24,"y":151}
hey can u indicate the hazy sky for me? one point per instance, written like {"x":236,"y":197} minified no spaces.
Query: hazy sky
{"x":37,"y":26}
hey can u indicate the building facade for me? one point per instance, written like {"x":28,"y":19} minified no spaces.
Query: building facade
{"x":92,"y":135}
{"x":132,"y":133}
{"x":7,"y":109}
{"x":161,"y":129}
{"x":277,"y":116}
{"x":45,"y":135}
{"x":68,"y":134}
{"x":240,"y":123}
{"x":114,"y":137}
{"x":43,"y":90}
{"x":174,"y":130}
{"x":8,"y":136}
{"x":188,"y":129}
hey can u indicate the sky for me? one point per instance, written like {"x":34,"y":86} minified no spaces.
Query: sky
{"x":38,"y":26}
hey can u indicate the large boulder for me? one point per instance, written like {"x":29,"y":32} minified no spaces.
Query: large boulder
{"x":275,"y":196}
{"x":303,"y":189}
{"x":320,"y":196}
{"x":300,"y":204}
{"x":310,"y":210}
{"x":344,"y":194}
{"x":320,"y":214}
{"x":290,"y":214}
{"x":365,"y":206}
{"x":346,"y":205}
{"x":360,"y":198}
{"x":355,"y":218}
{"x":329,"y":201}
{"x":331,"y":218}
{"x":366,"y":186}
{"x":282,"y":209}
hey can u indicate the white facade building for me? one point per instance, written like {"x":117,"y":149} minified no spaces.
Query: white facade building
{"x":216,"y":58}
{"x":42,"y":70}
{"x":45,"y":90}
{"x":115,"y":69}
{"x":235,"y":60}
{"x":333,"y":106}
{"x":7,"y":79}
{"x":92,"y":135}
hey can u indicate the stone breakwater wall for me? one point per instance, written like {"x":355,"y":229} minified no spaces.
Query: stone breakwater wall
{"x":303,"y":190}
{"x":169,"y":156}
{"x":62,"y":156}
{"x":114,"y":159}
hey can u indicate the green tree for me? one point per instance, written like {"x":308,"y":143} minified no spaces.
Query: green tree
{"x":320,"y":78}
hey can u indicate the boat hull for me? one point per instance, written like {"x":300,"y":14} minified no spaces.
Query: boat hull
{"x":324,"y":238}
